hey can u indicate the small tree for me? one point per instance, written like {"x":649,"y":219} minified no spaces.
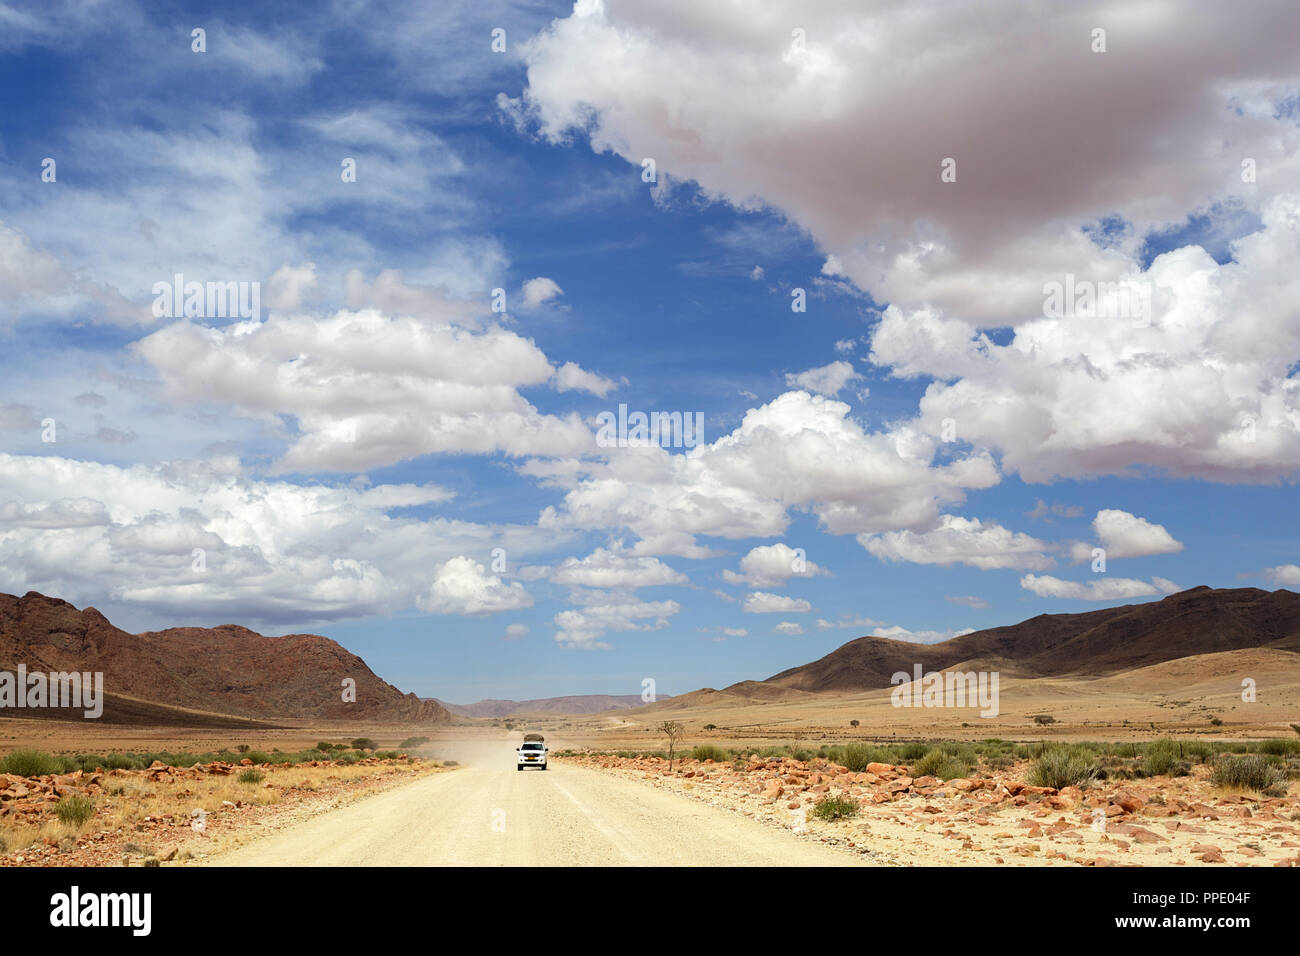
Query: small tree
{"x":673,"y":731}
{"x":710,"y":726}
{"x":854,"y":723}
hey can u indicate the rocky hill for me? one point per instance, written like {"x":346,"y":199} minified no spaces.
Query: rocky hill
{"x":222,"y":670}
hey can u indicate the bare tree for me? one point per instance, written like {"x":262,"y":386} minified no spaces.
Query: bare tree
{"x":673,"y":731}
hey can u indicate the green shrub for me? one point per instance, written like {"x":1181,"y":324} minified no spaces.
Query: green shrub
{"x":936,"y":763}
{"x":1164,"y":758}
{"x":856,"y":757}
{"x":1063,"y":766}
{"x":364,"y":743}
{"x":243,"y":748}
{"x":834,"y":807}
{"x":30,"y":763}
{"x":1279,"y":747}
{"x":324,"y":746}
{"x":411,"y":743}
{"x":912,"y":751}
{"x":257,"y":756}
{"x":250,"y":775}
{"x":74,"y":809}
{"x":709,"y":752}
{"x":1249,"y":772}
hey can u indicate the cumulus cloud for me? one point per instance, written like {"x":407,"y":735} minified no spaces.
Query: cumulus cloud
{"x":763,"y":602}
{"x":272,"y":551}
{"x":290,"y":286}
{"x":1201,"y":389}
{"x":1104,"y":589}
{"x":797,"y":451}
{"x":603,"y":612}
{"x":959,"y":540}
{"x":1198,"y":386}
{"x":826,"y":380}
{"x":611,"y":568}
{"x":725,"y":98}
{"x":770,"y":566}
{"x":539,"y":290}
{"x":464,"y":586}
{"x":516,"y":631}
{"x":788,"y":627}
{"x":1125,"y":535}
{"x":1284,"y":575}
{"x":571,"y":377}
{"x":367,"y":389}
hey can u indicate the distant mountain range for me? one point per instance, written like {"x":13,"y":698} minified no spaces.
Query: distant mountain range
{"x":195,"y":676}
{"x":1202,"y":620}
{"x":231,"y":676}
{"x":551,"y":706}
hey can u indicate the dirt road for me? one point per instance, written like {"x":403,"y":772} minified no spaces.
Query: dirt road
{"x":487,"y":814}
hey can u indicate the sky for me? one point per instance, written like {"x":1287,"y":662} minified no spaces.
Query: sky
{"x":984,"y":311}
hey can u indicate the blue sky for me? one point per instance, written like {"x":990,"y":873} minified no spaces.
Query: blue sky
{"x":938,"y":450}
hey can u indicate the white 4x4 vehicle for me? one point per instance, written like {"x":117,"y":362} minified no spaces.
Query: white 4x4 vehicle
{"x":531,"y":753}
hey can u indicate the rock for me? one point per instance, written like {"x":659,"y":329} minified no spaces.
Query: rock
{"x":1128,"y":802}
{"x":879,"y":768}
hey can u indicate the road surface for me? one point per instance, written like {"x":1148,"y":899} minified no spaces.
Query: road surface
{"x":488,"y":814}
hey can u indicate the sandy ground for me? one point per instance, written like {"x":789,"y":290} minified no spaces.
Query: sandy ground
{"x":485,"y":813}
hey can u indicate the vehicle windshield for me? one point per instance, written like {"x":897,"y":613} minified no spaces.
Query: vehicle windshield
{"x":531,"y":747}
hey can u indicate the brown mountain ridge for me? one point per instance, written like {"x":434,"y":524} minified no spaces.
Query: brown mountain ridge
{"x":190,"y":675}
{"x":1202,"y":620}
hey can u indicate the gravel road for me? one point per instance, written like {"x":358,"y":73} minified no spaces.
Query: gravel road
{"x":488,"y":814}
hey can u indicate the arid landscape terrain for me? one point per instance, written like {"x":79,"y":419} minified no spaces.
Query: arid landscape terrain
{"x":1160,"y":733}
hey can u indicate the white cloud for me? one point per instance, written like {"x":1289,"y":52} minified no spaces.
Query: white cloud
{"x":1202,"y":389}
{"x":959,"y":540}
{"x":1284,"y":575}
{"x":1104,"y":589}
{"x":770,"y":566}
{"x":1124,"y":535}
{"x":464,"y":586}
{"x":613,"y":568}
{"x":968,"y":600}
{"x":826,"y":380}
{"x":515,"y":632}
{"x":32,"y":280}
{"x":797,"y":451}
{"x":367,"y":389}
{"x":273,"y":551}
{"x":920,"y":637}
{"x":539,"y":290}
{"x":603,"y":612}
{"x":571,"y":377}
{"x":763,"y":602}
{"x":290,"y":286}
{"x":735,"y":632}
{"x":788,"y":627}
{"x":719,"y":96}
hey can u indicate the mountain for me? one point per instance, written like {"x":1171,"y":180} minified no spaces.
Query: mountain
{"x":193,"y":675}
{"x":562,"y":706}
{"x":1202,"y":620}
